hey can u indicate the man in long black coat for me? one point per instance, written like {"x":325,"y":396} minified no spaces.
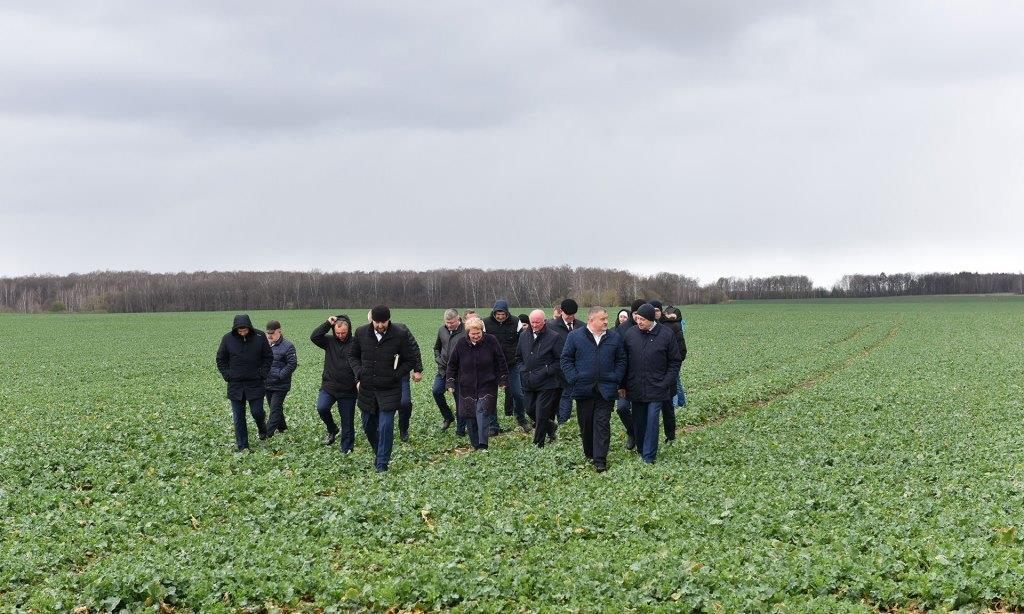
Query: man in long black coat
{"x":244,"y":359}
{"x":653,"y":358}
{"x":382,"y":356}
{"x":540,"y":352}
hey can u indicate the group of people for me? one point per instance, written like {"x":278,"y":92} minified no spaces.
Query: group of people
{"x":542,"y":365}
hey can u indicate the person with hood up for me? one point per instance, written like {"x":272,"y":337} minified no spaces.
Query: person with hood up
{"x":478,"y":365}
{"x":653,"y":359}
{"x":563,"y":324}
{"x":670,"y":318}
{"x":338,"y":382}
{"x":279,"y":380}
{"x":243,"y":359}
{"x":447,"y":336}
{"x":382,"y":357}
{"x":503,"y":325}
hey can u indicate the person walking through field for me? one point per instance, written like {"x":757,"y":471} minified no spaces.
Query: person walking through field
{"x":671,"y":318}
{"x":243,"y":359}
{"x":405,"y":406}
{"x":594,"y":363}
{"x":447,"y":336}
{"x":279,"y":379}
{"x":540,"y":352}
{"x":503,"y":325}
{"x":563,"y":323}
{"x":653,"y":357}
{"x":476,"y":369}
{"x":622,"y":406}
{"x":382,"y":356}
{"x":338,"y":382}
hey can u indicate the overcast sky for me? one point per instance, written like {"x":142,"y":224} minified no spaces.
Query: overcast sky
{"x":709,"y":138}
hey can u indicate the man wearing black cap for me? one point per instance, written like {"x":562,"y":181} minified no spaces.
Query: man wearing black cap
{"x":564,"y":324}
{"x":653,"y":359}
{"x":382,"y":356}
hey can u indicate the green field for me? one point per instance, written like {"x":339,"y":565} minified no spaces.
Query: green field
{"x":837,"y":455}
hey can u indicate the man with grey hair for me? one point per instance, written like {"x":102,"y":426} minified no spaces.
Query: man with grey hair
{"x":594,"y":363}
{"x":538,"y":351}
{"x":447,"y":336}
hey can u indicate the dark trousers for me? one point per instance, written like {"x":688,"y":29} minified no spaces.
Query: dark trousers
{"x":622,"y":407}
{"x":242,"y":426}
{"x":379,"y":427}
{"x":346,"y":411}
{"x":646,"y":423}
{"x":668,"y":414}
{"x":543,"y":405}
{"x":405,"y":407}
{"x":564,"y":406}
{"x":275,"y":421}
{"x":595,"y":417}
{"x":479,"y":426}
{"x":440,"y":399}
{"x":515,"y":401}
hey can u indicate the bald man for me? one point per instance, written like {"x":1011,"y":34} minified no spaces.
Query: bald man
{"x":539,"y":352}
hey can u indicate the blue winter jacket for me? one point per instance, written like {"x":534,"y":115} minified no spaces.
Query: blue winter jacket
{"x":590,"y":369}
{"x":285,"y":362}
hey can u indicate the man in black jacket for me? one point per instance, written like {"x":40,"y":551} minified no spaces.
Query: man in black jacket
{"x":448,"y":335}
{"x":243,"y":359}
{"x":539,"y":352}
{"x":653,"y":359}
{"x":505,"y":327}
{"x":338,"y":383}
{"x":279,"y":380}
{"x":382,"y":356}
{"x":564,"y":323}
{"x":670,"y":319}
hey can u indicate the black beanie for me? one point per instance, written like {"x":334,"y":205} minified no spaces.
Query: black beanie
{"x":655,"y":304}
{"x":380,"y":313}
{"x":646,"y":311}
{"x":569,"y":307}
{"x":636,"y":304}
{"x":525,"y":319}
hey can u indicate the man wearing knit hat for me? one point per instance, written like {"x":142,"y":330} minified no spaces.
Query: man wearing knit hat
{"x":382,"y":357}
{"x":564,"y":324}
{"x":653,"y":358}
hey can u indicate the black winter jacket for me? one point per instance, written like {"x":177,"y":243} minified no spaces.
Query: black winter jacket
{"x":558,"y":325}
{"x":373,"y":362}
{"x":540,"y":359}
{"x":652,"y":363}
{"x":338,"y":378}
{"x":244,"y":362}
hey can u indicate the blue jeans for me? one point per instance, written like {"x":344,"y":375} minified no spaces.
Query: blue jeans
{"x":646,"y":428}
{"x":681,"y":394}
{"x":242,"y":426}
{"x":437,"y":389}
{"x":515,"y":392}
{"x":346,"y":410}
{"x":622,"y":407}
{"x":380,"y":432}
{"x":478,"y":427}
{"x":565,"y":406}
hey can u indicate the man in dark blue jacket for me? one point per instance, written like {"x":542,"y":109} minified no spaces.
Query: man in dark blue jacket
{"x":539,"y":352}
{"x":594,"y":363}
{"x":244,"y":359}
{"x":279,"y":380}
{"x":653,"y":359}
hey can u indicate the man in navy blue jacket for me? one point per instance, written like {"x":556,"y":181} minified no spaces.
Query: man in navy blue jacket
{"x":653,"y":359}
{"x":594,"y":363}
{"x":279,"y":379}
{"x":539,"y":352}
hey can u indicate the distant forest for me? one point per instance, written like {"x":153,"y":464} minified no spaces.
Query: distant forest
{"x":139,"y":291}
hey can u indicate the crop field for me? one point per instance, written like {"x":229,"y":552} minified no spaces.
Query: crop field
{"x":834,"y":456}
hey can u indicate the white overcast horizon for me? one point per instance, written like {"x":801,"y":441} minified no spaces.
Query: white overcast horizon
{"x":709,"y":139}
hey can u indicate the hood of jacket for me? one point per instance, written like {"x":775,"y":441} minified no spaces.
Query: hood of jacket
{"x":241,"y":321}
{"x":344,"y":318}
{"x":500,"y":305}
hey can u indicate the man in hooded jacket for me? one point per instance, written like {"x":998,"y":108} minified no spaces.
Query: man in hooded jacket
{"x":244,"y":359}
{"x":505,"y":327}
{"x":338,"y":383}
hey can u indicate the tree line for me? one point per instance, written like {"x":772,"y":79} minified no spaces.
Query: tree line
{"x":140,"y":291}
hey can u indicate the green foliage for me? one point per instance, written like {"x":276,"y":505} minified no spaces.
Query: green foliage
{"x":838,"y":456}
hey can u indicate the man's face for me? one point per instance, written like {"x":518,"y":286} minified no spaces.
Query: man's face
{"x":380,"y":327}
{"x":556,"y":312}
{"x":569,"y":317}
{"x":243,"y":331}
{"x":598,"y":321}
{"x":537,"y":322}
{"x":644,"y":323}
{"x":451,"y":324}
{"x":657,"y":313}
{"x":475,"y":335}
{"x":341,"y":330}
{"x":273,"y":335}
{"x":500,"y":315}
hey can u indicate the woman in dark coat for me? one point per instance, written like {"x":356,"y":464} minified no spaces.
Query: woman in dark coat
{"x":478,"y":364}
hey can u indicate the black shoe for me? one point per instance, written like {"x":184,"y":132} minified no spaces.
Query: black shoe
{"x":553,"y":434}
{"x":270,"y":432}
{"x":404,"y":436}
{"x":446,"y":424}
{"x":493,"y":432}
{"x":329,"y":439}
{"x":600,"y":467}
{"x":630,"y":443}
{"x":242,"y":449}
{"x":508,"y":411}
{"x":670,"y":441}
{"x":264,"y":436}
{"x":526,"y":428}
